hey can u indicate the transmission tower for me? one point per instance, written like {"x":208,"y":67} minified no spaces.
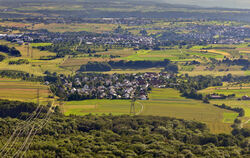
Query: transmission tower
{"x":31,"y":52}
{"x":38,"y":96}
{"x":28,"y":50}
{"x":132,"y":106}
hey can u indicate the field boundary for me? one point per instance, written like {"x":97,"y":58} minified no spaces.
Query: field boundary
{"x":142,"y":108}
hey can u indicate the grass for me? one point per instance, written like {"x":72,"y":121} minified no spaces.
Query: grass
{"x":90,"y":27}
{"x":229,"y":117}
{"x":116,"y":107}
{"x":83,"y":59}
{"x":173,"y":55}
{"x":223,"y":53}
{"x":232,"y":102}
{"x":214,"y":73}
{"x":226,"y":90}
{"x":40,"y":44}
{"x":36,"y":67}
{"x":168,"y":102}
{"x":23,"y":91}
{"x":124,"y":71}
{"x":162,"y":102}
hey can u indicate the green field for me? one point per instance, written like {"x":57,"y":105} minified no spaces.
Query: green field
{"x":168,"y":102}
{"x":173,"y":55}
{"x":40,"y":44}
{"x":239,"y":92}
{"x":116,"y":107}
{"x":233,"y":102}
{"x":162,"y":102}
{"x":36,"y":66}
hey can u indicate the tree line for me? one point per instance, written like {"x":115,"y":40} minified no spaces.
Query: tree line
{"x":10,"y":51}
{"x":19,"y":62}
{"x":15,"y":109}
{"x":122,"y":64}
{"x":21,"y":75}
{"x":128,"y":136}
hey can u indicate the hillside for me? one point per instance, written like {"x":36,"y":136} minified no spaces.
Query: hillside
{"x":114,"y":9}
{"x":119,"y":136}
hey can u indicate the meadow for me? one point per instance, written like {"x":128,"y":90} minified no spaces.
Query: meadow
{"x":173,"y":54}
{"x":238,"y":90}
{"x":97,"y":106}
{"x":35,"y":66}
{"x":89,"y":27}
{"x":162,"y":102}
{"x":168,"y":102}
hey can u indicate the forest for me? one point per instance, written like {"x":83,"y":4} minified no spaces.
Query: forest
{"x":122,"y":64}
{"x":10,"y":51}
{"x":124,"y":136}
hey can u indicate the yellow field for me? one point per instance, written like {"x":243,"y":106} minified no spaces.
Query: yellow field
{"x":124,"y":71}
{"x":36,"y":67}
{"x":217,"y":52}
{"x":214,"y":73}
{"x":167,"y":102}
{"x":22,"y":90}
{"x":90,"y":27}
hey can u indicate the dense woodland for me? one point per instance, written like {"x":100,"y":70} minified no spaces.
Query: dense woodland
{"x":10,"y":51}
{"x":21,"y":75}
{"x":125,"y":136}
{"x":122,"y":64}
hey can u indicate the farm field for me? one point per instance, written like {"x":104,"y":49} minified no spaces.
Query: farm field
{"x":89,"y":27}
{"x":124,"y":71}
{"x":162,"y":102}
{"x":168,"y":102}
{"x":233,"y":102}
{"x":173,"y":55}
{"x":22,"y":90}
{"x":36,"y":66}
{"x":84,"y":59}
{"x":239,"y":91}
{"x":215,"y":73}
{"x":116,"y":107}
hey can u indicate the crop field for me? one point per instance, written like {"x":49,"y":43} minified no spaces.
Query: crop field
{"x":168,"y":102}
{"x":29,"y":52}
{"x":218,"y":52}
{"x":36,"y":67}
{"x":215,"y":73}
{"x":23,"y":91}
{"x":116,"y":107}
{"x":118,"y":52}
{"x":239,"y":91}
{"x":173,"y":55}
{"x":90,"y":27}
{"x":83,"y":59}
{"x":40,"y":44}
{"x":69,"y":62}
{"x":162,"y":102}
{"x":226,"y":90}
{"x":124,"y":71}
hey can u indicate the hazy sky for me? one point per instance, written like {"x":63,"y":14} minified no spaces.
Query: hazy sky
{"x":214,"y":3}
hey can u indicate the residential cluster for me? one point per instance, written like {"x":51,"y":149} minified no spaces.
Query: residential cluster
{"x":115,"y":86}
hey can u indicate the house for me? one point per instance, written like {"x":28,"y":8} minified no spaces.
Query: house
{"x":143,"y":97}
{"x":216,"y":97}
{"x":245,"y":97}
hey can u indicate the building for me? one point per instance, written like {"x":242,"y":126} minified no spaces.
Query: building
{"x":245,"y":97}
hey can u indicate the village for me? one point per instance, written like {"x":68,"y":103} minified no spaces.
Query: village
{"x":165,"y":35}
{"x":115,"y":86}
